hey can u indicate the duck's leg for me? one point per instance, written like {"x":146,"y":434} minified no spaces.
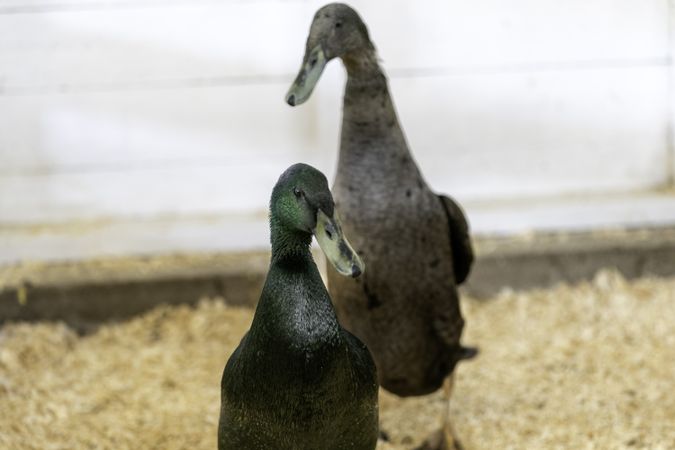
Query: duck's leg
{"x":451,"y":438}
{"x":445,"y":438}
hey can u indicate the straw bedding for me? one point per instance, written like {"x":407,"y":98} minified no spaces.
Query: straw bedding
{"x":583,"y":367}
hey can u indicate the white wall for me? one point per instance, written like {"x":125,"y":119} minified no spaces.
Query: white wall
{"x":121,"y":108}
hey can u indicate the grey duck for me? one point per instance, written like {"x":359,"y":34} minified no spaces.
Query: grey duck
{"x":416,"y":243}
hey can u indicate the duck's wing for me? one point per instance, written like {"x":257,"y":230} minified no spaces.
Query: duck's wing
{"x":362,"y":361}
{"x":230,"y":367}
{"x":460,"y":241}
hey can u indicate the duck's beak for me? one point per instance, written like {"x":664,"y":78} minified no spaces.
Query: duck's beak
{"x":338,"y":250}
{"x":310,"y":72}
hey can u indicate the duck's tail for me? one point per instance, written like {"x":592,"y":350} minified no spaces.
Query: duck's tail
{"x":467,"y":353}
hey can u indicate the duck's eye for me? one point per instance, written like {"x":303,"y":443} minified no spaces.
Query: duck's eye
{"x":298,"y":193}
{"x":338,"y":24}
{"x":313,"y":62}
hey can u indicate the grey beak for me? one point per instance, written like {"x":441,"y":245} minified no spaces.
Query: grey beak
{"x":310,"y":72}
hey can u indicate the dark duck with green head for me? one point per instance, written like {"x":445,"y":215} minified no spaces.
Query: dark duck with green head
{"x":298,"y":380}
{"x":416,"y":242}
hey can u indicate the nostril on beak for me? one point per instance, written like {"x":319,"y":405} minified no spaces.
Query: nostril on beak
{"x":291,"y":100}
{"x":355,"y":271}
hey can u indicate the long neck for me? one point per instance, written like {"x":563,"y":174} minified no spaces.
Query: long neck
{"x":289,"y":246}
{"x":297,"y":281}
{"x":294,"y":302}
{"x":370,"y":127}
{"x":366,"y":99}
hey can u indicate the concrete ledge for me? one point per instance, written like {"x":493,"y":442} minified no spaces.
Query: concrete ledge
{"x":543,"y":260}
{"x":86,"y":293}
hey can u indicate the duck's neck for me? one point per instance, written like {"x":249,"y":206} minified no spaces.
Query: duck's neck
{"x":289,"y":246}
{"x":363,"y":68}
{"x":294,"y":302}
{"x":370,"y":127}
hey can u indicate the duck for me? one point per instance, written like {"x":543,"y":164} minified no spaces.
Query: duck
{"x":416,"y":242}
{"x":298,"y":380}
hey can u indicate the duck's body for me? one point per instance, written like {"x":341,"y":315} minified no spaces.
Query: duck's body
{"x":298,"y":380}
{"x":312,"y":385}
{"x":406,"y":308}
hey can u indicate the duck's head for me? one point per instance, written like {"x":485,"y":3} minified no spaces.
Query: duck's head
{"x":337,"y":31}
{"x":302,"y":203}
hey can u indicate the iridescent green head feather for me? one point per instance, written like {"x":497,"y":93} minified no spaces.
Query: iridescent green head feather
{"x":302,"y":205}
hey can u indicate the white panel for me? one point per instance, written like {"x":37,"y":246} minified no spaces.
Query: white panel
{"x":213,"y":42}
{"x":539,"y":134}
{"x":486,"y":137}
{"x":113,"y":131}
{"x":134,"y":237}
{"x":573,"y":214}
{"x":219,"y":188}
{"x":160,"y":107}
{"x":125,"y":48}
{"x":536,"y":134}
{"x":479,"y":137}
{"x":672,"y":93}
{"x":486,"y":32}
{"x":148,"y":153}
{"x":17,"y":6}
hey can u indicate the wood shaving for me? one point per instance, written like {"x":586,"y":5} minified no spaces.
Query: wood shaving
{"x":589,"y":366}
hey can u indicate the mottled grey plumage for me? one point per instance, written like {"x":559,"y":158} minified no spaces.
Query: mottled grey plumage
{"x":415,"y":243}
